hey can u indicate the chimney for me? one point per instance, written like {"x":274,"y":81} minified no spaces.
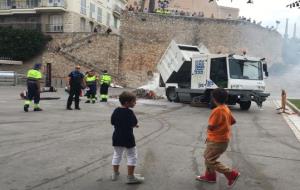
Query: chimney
{"x":286,"y":35}
{"x":295,"y":31}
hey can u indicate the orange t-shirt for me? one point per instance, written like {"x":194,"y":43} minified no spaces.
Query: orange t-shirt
{"x":221,"y":120}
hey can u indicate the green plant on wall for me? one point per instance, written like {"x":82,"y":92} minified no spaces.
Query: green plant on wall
{"x":21,"y":45}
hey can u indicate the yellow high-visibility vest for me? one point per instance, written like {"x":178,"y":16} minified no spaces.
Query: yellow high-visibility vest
{"x":105,"y":79}
{"x":90,"y":79}
{"x":33,"y":74}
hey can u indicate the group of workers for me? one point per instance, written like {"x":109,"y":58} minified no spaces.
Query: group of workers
{"x":77,"y":81}
{"x":162,"y":7}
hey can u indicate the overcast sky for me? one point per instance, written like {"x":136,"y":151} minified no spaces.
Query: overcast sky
{"x":268,"y":11}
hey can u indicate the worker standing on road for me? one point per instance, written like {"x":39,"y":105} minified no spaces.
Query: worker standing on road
{"x":124,"y":120}
{"x":33,"y":86}
{"x":218,"y":136}
{"x":283,"y":101}
{"x":91,"y":82}
{"x":76,"y":83}
{"x":105,"y":82}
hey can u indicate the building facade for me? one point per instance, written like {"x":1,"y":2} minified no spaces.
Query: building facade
{"x":62,"y":15}
{"x":203,"y":8}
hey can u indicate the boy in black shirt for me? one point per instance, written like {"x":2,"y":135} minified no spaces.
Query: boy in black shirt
{"x":123,"y":119}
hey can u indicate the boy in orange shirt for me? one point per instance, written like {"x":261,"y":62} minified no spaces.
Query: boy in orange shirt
{"x":218,"y":136}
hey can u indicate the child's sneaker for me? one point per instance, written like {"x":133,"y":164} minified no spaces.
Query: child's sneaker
{"x":115,"y":176}
{"x":208,"y":177}
{"x":135,"y":179}
{"x":232,"y":177}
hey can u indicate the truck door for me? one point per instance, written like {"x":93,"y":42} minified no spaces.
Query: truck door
{"x":218,"y":72}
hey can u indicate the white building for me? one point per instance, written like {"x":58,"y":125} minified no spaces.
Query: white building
{"x":62,"y":15}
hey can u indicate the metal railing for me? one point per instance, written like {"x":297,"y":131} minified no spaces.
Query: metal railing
{"x":29,"y":4}
{"x":54,"y":28}
{"x":23,"y":25}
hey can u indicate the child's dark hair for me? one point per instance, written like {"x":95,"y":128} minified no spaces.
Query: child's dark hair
{"x":126,"y":97}
{"x":220,"y":95}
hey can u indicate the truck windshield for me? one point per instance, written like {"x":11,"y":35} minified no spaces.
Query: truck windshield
{"x":245,"y":69}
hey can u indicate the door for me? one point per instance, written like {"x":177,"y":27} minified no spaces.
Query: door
{"x":82,"y":24}
{"x":218,"y":72}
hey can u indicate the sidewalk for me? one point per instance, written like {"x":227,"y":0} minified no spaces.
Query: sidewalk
{"x":293,"y":120}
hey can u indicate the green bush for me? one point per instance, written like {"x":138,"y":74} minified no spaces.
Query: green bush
{"x":296,"y":102}
{"x":20,"y":44}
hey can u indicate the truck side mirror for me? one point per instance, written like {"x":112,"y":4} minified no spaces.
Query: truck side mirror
{"x":265,"y":67}
{"x":267,"y":74}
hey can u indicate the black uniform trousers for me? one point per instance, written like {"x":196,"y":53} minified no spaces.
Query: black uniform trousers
{"x":104,"y":91}
{"x":91,"y":93}
{"x":74,"y":91}
{"x":33,"y":92}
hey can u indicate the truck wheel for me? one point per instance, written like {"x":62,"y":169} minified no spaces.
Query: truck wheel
{"x":245,"y":105}
{"x":171,"y":94}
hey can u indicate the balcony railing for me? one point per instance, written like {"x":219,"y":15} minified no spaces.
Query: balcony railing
{"x":30,"y":4}
{"x":23,"y":25}
{"x":54,"y":28}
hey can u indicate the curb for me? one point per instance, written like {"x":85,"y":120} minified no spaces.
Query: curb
{"x":293,"y":107}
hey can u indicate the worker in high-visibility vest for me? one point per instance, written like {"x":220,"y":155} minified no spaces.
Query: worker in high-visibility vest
{"x":105,"y":83}
{"x":33,"y":87}
{"x":91,"y":82}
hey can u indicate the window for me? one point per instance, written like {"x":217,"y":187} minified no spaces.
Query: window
{"x":83,"y":7}
{"x":55,"y":23}
{"x":108,"y":19}
{"x":92,"y":10}
{"x":218,"y":72}
{"x":91,"y":26}
{"x":115,"y":22}
{"x":55,"y":3}
{"x":244,"y":69}
{"x":82,"y":24}
{"x":99,"y":15}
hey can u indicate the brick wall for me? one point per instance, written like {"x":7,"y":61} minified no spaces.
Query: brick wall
{"x":90,"y":50}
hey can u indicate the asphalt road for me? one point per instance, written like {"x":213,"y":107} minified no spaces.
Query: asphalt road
{"x":71,"y":150}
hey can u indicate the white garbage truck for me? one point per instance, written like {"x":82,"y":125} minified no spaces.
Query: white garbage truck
{"x":190,"y":73}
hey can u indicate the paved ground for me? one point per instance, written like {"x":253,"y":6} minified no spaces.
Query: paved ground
{"x":71,"y":150}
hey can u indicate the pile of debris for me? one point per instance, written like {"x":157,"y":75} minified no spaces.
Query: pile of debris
{"x":147,"y":94}
{"x":150,"y":90}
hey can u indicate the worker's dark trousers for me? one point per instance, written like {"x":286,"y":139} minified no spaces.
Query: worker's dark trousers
{"x":91,"y":93}
{"x":33,"y":92}
{"x":104,"y":92}
{"x":74,"y":91}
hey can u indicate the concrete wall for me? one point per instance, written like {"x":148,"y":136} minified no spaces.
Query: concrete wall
{"x":146,"y":36}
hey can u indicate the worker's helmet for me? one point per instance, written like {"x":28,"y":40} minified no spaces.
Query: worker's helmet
{"x":37,"y":66}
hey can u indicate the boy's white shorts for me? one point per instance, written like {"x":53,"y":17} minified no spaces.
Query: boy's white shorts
{"x":131,"y":155}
